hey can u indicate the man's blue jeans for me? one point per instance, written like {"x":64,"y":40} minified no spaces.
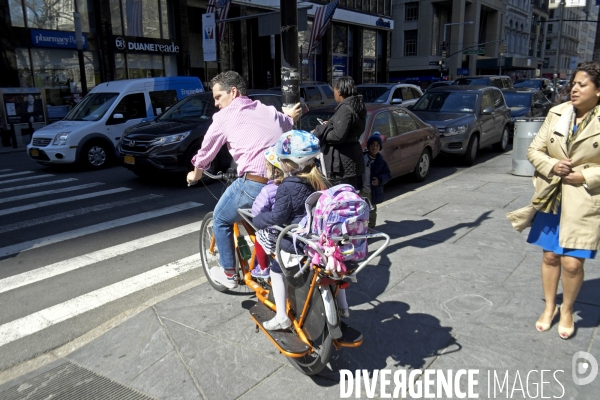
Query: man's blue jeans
{"x":240,"y":194}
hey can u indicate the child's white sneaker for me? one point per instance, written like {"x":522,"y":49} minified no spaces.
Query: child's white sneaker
{"x":274,"y":325}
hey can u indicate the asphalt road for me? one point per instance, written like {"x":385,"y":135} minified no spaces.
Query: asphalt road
{"x":77,"y":248}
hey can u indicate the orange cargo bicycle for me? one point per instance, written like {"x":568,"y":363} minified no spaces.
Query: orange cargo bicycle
{"x":316,"y":327}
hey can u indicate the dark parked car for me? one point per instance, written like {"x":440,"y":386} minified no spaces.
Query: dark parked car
{"x":543,"y":84}
{"x":525,"y":102}
{"x":433,"y":85}
{"x":409,"y":144}
{"x":468,"y":117}
{"x":499,"y":81}
{"x":168,"y":143}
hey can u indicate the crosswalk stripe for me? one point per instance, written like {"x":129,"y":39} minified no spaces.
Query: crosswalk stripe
{"x":16,"y":174}
{"x":43,"y":319}
{"x":47,"y":192}
{"x":74,"y":213}
{"x":59,"y":201}
{"x":35,"y":185}
{"x":61,"y":267}
{"x":41,"y":242}
{"x":27,"y":178}
{"x":5,"y":170}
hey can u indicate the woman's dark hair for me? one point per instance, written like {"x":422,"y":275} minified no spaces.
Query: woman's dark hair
{"x":228,"y":79}
{"x":346,"y":87}
{"x":589,"y":67}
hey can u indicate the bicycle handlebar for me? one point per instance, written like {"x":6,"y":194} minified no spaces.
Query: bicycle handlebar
{"x":229,"y":175}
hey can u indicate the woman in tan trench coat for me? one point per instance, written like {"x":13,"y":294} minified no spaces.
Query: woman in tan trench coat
{"x":566,"y":156}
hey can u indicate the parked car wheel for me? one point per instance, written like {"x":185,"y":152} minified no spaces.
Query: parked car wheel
{"x":503,"y":144}
{"x":96,"y":155}
{"x":472,"y":150}
{"x":422,"y":168}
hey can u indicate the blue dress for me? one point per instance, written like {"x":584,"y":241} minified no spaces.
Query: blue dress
{"x":544,"y":233}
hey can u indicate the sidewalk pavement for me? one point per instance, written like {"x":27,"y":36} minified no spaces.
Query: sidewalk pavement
{"x":9,"y":149}
{"x":457,"y":288}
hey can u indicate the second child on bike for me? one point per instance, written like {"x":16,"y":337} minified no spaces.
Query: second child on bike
{"x":297,"y":151}
{"x":266,"y":238}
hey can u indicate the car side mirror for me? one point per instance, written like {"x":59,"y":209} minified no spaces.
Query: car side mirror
{"x":487,"y":111}
{"x":116,"y":119}
{"x":396,"y":101}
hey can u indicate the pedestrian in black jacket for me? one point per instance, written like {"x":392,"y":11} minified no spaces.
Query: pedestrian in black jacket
{"x":339,"y":135}
{"x":377,"y":173}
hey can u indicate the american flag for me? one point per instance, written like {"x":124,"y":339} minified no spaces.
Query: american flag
{"x":211,"y":7}
{"x":323,"y":16}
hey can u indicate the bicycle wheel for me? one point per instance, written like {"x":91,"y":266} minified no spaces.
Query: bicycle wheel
{"x":313,"y":363}
{"x":212,"y":260}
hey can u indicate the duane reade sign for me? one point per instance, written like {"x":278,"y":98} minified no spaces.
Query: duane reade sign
{"x":124,"y":44}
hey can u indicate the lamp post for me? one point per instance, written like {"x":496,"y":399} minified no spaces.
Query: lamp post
{"x":556,"y":62}
{"x":444,"y":44}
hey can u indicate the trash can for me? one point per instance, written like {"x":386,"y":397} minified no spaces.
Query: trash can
{"x":525,"y":131}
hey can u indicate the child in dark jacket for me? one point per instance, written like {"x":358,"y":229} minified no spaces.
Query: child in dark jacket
{"x":377,"y":173}
{"x":303,"y":178}
{"x":266,"y":238}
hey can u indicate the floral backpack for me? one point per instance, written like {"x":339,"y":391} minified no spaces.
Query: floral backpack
{"x":339,"y":211}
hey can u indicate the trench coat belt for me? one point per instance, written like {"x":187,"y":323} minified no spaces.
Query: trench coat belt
{"x":254,"y":178}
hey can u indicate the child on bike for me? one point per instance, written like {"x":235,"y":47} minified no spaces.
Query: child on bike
{"x":266,"y":238}
{"x":377,"y":173}
{"x":297,"y":151}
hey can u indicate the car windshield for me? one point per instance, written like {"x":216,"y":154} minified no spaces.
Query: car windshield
{"x":449,"y":102}
{"x":472,"y":81}
{"x":309,"y":121}
{"x":191,"y":109}
{"x":517,"y":99}
{"x":92,"y":107}
{"x":529,"y":84}
{"x":374,"y":94}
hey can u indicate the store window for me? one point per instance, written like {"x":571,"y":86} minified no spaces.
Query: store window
{"x":56,"y":71}
{"x":411,"y":12}
{"x":142,"y":18}
{"x":53,"y":15}
{"x":410,"y":43}
{"x":15,"y":8}
{"x":140,"y":65}
{"x":369,"y":56}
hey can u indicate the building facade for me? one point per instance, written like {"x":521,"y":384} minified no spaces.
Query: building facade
{"x":577,"y":38}
{"x":445,"y":39}
{"x":126,"y":39}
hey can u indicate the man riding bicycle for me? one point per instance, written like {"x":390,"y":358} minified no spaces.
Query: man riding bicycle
{"x":249,"y":128}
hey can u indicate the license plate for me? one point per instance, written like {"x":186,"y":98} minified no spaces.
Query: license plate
{"x":34,"y":153}
{"x":129,"y":160}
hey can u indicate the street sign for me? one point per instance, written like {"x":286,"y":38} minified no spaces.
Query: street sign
{"x":463,"y":71}
{"x":434,"y":62}
{"x":474,"y":51}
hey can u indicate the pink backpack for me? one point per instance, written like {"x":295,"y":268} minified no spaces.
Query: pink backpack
{"x":338,"y":211}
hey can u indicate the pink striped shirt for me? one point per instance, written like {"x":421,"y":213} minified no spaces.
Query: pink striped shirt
{"x":249,"y":128}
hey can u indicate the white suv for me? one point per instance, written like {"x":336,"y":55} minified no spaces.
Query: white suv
{"x":390,"y":93}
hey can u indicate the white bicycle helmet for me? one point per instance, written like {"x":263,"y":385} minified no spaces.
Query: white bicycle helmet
{"x":273,"y":158}
{"x":298,"y":146}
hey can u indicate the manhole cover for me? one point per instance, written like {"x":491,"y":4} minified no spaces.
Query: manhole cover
{"x":69,"y":381}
